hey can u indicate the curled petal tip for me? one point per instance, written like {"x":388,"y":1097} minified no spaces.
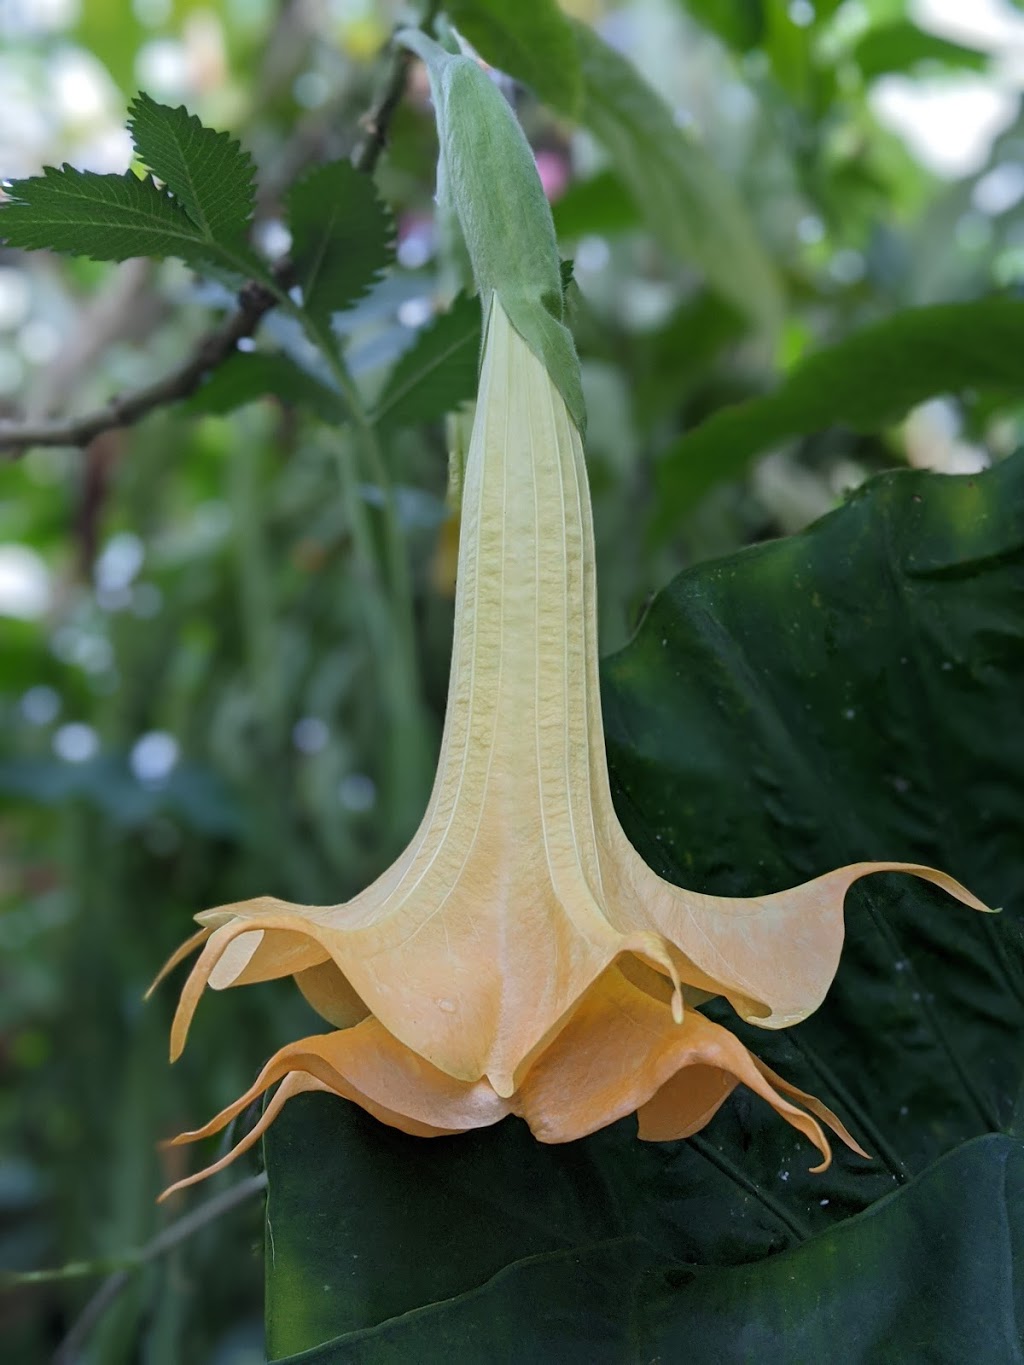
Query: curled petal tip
{"x":178,"y":1141}
{"x":179,"y":1185}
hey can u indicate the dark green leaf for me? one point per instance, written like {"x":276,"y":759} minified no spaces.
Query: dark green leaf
{"x":739,"y":23}
{"x":688,"y":202}
{"x":849,"y":693}
{"x":531,"y":39}
{"x":901,"y":45}
{"x":933,"y":1271}
{"x":866,"y":381}
{"x":104,"y":217}
{"x":207,"y":172}
{"x":199,"y":214}
{"x":245,"y":378}
{"x":601,"y":204}
{"x":439,"y":371}
{"x":342,"y":237}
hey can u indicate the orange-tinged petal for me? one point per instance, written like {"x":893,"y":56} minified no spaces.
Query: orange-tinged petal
{"x":685,"y":1103}
{"x":368,"y":1066}
{"x":294,"y":1084}
{"x":179,"y":955}
{"x":264,"y":955}
{"x":331,"y":994}
{"x":622,"y":1051}
{"x":280,"y":946}
{"x":773,"y":957}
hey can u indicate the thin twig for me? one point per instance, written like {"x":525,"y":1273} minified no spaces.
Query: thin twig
{"x":378,"y":121}
{"x":68,"y":1352}
{"x":213,"y":349}
{"x":254,"y":301}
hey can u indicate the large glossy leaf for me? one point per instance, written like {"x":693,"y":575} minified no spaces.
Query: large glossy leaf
{"x":931,"y":1273}
{"x":849,"y":693}
{"x":864,"y":381}
{"x":248,"y":376}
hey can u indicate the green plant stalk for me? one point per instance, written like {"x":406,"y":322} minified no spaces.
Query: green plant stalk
{"x":408,"y":759}
{"x":404,"y":734}
{"x":397,"y":568}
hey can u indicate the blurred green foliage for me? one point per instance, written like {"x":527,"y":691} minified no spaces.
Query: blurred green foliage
{"x":224,"y":633}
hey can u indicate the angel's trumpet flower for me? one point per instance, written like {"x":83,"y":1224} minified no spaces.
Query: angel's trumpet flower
{"x":520,"y":957}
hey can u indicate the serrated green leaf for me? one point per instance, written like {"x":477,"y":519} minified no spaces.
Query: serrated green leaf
{"x":248,"y":377}
{"x":342,"y":237}
{"x":688,"y":203}
{"x":208,"y":173}
{"x":532,"y":39}
{"x":110,"y":218}
{"x":104,"y":217}
{"x":866,"y":381}
{"x":439,"y":371}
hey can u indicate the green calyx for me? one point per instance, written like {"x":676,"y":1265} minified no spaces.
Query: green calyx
{"x":488,"y":172}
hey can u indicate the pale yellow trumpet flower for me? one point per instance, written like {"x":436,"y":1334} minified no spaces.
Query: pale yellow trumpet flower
{"x":520,"y":957}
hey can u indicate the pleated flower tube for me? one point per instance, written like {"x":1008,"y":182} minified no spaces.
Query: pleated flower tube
{"x":520,"y":958}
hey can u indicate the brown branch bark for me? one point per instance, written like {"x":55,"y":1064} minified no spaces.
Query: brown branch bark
{"x":127,"y":408}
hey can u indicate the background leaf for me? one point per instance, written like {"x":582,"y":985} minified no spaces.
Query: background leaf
{"x":848,"y":693}
{"x":686,"y":200}
{"x":533,"y":39}
{"x":342,"y":237}
{"x":248,"y":377}
{"x":870,"y":378}
{"x":739,"y":23}
{"x":600,"y":204}
{"x":901,"y":45}
{"x":439,"y":371}
{"x":207,"y":172}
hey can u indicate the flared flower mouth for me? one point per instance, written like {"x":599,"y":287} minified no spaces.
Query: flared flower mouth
{"x":520,"y":957}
